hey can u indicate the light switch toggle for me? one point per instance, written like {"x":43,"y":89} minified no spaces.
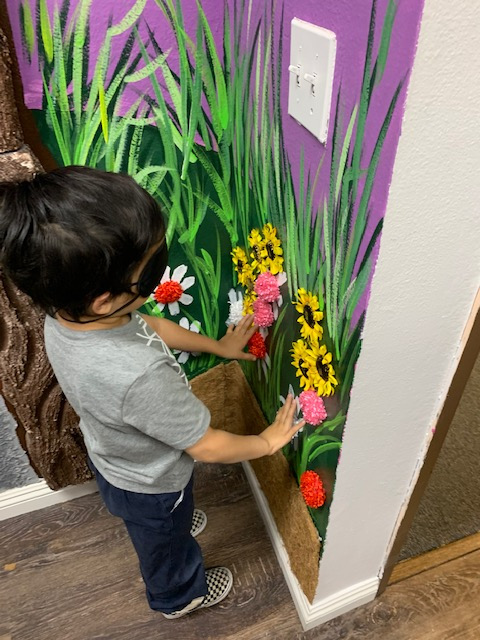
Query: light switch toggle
{"x":296,"y":70}
{"x":312,"y":79}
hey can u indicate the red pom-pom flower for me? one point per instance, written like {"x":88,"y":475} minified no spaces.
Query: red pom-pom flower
{"x":169,"y":291}
{"x":311,"y":487}
{"x":256,"y":345}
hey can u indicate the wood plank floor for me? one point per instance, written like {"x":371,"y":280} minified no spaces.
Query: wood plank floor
{"x":69,"y":573}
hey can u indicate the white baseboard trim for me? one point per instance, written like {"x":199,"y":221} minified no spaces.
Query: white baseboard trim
{"x":16,"y":502}
{"x":314,"y":614}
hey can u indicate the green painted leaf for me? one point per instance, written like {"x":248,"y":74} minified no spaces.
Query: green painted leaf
{"x":46,"y":30}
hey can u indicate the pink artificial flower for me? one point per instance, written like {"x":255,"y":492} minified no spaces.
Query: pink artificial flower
{"x":262,"y":313}
{"x":266,"y":287}
{"x":313,"y":408}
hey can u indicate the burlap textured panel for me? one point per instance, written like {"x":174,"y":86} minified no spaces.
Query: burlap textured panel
{"x":233,"y":406}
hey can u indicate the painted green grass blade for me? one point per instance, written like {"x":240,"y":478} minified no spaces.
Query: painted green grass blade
{"x":129,"y":20}
{"x":28,"y":29}
{"x":147,"y":69}
{"x":79,"y":55}
{"x":52,"y":114}
{"x":60,"y":88}
{"x":195,"y":107}
{"x":217,"y":70}
{"x":362,"y":217}
{"x":363,"y":106}
{"x":344,"y":152}
{"x":385,"y":40}
{"x":45,"y":29}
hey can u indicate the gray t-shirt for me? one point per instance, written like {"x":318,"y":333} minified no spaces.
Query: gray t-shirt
{"x":137,"y":412}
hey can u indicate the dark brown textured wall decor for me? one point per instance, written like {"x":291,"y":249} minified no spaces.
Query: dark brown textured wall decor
{"x":49,"y":425}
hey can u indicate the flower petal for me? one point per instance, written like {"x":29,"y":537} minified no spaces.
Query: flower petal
{"x":184,"y":323}
{"x":166,"y":275}
{"x":281,"y":278}
{"x":174,"y":308}
{"x":183,"y":357}
{"x":185,"y":298}
{"x":188,"y":282}
{"x":179,"y":272}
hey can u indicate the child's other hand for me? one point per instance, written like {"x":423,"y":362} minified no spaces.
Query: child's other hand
{"x":233,"y":343}
{"x":283,"y":429}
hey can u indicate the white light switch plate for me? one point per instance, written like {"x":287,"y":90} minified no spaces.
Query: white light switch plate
{"x":312,"y":65}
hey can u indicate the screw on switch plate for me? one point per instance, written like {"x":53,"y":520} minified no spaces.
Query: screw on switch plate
{"x":312,"y":64}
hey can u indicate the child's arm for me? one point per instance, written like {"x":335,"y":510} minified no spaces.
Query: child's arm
{"x":230,"y":346}
{"x":220,"y":446}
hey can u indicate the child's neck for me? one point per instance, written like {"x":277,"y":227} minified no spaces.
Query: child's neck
{"x":98,"y":325}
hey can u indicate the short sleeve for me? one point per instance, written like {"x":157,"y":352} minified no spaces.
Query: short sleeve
{"x":160,"y":404}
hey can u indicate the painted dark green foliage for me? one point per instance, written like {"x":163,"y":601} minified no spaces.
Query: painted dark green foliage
{"x":206,"y":140}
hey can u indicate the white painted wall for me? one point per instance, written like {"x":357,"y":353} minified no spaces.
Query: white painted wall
{"x":425,"y":283}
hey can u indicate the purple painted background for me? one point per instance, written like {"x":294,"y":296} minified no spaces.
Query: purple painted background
{"x":348,"y":19}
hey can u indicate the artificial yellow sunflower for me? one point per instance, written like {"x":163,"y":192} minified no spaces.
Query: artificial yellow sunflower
{"x":301,"y":363}
{"x":242,"y":266}
{"x":257,"y":244}
{"x":249,"y":298}
{"x":310,"y":315}
{"x":272,"y":252}
{"x":321,"y":369}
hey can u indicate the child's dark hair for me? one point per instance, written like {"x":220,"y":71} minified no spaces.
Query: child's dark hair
{"x":69,"y":235}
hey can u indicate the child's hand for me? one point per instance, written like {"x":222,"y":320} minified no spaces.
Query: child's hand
{"x":283,"y":429}
{"x":233,"y":343}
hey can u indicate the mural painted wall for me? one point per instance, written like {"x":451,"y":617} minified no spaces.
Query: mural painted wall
{"x":190,"y":99}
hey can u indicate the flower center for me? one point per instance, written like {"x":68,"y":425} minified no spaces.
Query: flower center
{"x":270,"y":250}
{"x":169,"y":291}
{"x":256,"y":252}
{"x":322,"y":368}
{"x":249,"y":284}
{"x":240,"y":265}
{"x":308,"y":315}
{"x":303,"y":368}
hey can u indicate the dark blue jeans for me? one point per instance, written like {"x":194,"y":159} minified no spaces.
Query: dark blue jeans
{"x":159,"y":525}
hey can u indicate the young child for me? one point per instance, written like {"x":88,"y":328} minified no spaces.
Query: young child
{"x":89,"y":248}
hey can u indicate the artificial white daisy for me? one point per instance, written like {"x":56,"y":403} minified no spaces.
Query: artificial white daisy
{"x":171,"y":290}
{"x":190,"y":326}
{"x":235,"y":300}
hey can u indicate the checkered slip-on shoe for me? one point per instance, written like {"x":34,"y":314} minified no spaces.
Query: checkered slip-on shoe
{"x":219,"y":583}
{"x":199,"y":522}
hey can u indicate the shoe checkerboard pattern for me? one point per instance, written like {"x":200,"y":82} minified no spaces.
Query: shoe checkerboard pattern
{"x":199,"y":522}
{"x":219,"y":583}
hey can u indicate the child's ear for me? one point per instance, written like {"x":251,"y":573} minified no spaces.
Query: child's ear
{"x":102,"y":304}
